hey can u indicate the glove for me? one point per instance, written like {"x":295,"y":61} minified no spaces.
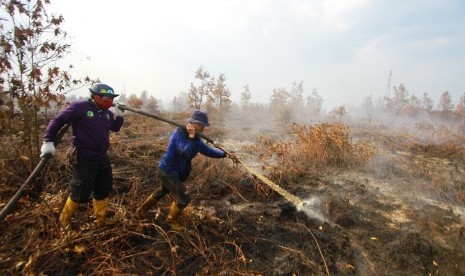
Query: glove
{"x":118,"y":111}
{"x":47,"y":148}
{"x":232,"y":156}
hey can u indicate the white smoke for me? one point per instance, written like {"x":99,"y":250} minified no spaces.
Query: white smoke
{"x":312,"y":208}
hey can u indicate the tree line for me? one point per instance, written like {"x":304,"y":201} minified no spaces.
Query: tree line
{"x":33,"y":86}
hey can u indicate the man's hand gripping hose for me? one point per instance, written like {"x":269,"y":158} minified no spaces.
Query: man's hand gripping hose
{"x":229,"y":154}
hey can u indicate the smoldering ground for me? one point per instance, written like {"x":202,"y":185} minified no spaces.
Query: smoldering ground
{"x":355,"y":212}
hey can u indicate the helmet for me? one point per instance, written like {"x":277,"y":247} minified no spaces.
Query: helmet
{"x":199,"y":117}
{"x":103,"y":90}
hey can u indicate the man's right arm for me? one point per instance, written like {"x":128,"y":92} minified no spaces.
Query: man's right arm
{"x":64,"y":117}
{"x":48,"y":147}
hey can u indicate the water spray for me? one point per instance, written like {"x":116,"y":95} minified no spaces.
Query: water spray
{"x":300,"y":205}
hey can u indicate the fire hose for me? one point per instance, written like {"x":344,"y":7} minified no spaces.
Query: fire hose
{"x":14,"y":200}
{"x":12,"y":203}
{"x":292,"y":198}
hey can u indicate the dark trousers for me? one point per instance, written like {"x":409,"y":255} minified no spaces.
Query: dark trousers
{"x":91,"y":176}
{"x":171,"y":184}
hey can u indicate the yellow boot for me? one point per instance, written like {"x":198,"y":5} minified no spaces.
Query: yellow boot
{"x":148,"y":203}
{"x":68,"y":210}
{"x":100,"y":210}
{"x":174,"y":213}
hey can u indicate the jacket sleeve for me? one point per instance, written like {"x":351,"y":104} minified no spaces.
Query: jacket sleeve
{"x":64,"y":117}
{"x":211,"y":152}
{"x":184,"y":145}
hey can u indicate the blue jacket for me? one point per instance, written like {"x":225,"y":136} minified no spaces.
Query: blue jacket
{"x":91,"y":128}
{"x":181,"y":150}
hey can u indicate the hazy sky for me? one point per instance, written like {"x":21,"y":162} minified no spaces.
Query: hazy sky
{"x":343,"y":48}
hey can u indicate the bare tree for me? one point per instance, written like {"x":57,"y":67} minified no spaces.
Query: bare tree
{"x":220,"y":95}
{"x":398,"y":104}
{"x":280,"y":104}
{"x":143,"y":97}
{"x":445,"y":102}
{"x":194,"y":97}
{"x":297,"y":98}
{"x":427,"y":102}
{"x":134,"y":101}
{"x":245,"y":96}
{"x":151,"y":104}
{"x":199,"y":94}
{"x":314,"y":103}
{"x":369,"y":107}
{"x":413,"y":106}
{"x":31,"y":44}
{"x":338,"y":112}
{"x":460,"y":108}
{"x":180,"y":102}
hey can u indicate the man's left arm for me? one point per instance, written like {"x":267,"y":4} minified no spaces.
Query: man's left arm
{"x":211,"y":152}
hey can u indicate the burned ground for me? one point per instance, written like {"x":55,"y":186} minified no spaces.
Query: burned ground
{"x":402,"y":213}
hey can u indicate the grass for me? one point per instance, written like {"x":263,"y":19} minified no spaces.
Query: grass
{"x":212,"y":239}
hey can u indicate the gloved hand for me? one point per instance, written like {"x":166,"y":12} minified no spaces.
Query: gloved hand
{"x":233,"y":157}
{"x":47,"y":148}
{"x":118,"y":111}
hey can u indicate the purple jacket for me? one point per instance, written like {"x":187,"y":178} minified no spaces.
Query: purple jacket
{"x":181,"y":150}
{"x":91,"y":128}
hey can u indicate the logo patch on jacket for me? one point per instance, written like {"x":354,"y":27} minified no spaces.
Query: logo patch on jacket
{"x":90,"y":114}
{"x":108,"y":117}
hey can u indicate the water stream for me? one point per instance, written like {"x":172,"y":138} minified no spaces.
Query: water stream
{"x":292,"y":198}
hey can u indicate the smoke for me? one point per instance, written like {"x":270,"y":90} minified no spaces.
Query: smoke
{"x":312,"y":208}
{"x":422,"y":126}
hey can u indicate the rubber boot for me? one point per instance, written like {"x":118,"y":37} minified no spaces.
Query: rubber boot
{"x":100,"y":211}
{"x":68,"y":210}
{"x":173,"y":214}
{"x":148,"y":203}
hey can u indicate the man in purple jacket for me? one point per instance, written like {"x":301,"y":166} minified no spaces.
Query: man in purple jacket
{"x":91,"y":121}
{"x":175,"y":166}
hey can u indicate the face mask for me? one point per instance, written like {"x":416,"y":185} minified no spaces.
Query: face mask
{"x":103,"y":103}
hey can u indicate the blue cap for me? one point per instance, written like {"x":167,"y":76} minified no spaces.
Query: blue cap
{"x":103,"y":90}
{"x":199,"y":117}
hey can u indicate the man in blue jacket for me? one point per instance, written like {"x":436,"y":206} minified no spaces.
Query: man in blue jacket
{"x":91,"y":121}
{"x":175,"y":165}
